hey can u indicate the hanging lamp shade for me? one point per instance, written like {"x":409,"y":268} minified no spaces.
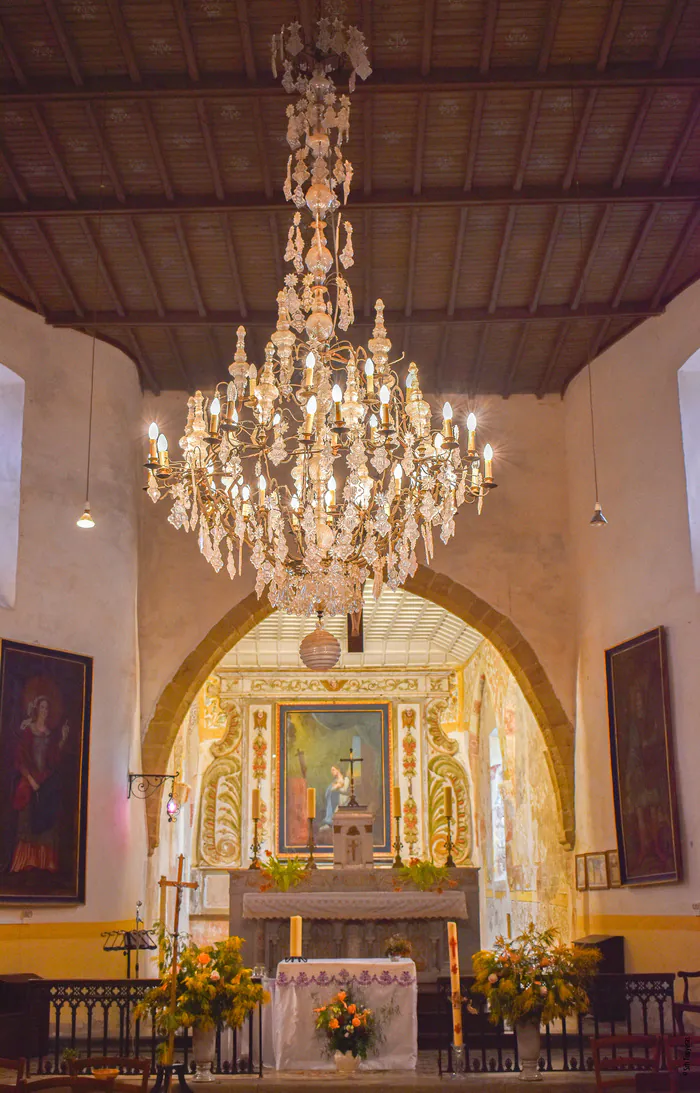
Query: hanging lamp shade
{"x":319,"y":650}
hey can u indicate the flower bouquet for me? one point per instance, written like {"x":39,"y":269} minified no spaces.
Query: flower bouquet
{"x":283,"y":874}
{"x":426,"y":876}
{"x":397,"y":946}
{"x":349,"y":1028}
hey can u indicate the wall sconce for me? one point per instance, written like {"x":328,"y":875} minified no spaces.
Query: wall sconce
{"x":145,"y":785}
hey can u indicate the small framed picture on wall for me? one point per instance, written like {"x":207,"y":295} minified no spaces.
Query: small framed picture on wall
{"x":581,"y":882}
{"x":614,"y":868}
{"x":597,"y":871}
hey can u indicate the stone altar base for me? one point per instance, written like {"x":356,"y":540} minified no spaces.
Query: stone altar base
{"x":294,"y":1082}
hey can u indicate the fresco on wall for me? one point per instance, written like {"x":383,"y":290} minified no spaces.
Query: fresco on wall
{"x":44,"y":729}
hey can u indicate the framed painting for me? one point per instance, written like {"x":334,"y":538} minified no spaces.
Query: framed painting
{"x":613,"y":868}
{"x":45,"y":698}
{"x":641,"y":752}
{"x":581,"y":880}
{"x":313,"y":750}
{"x":597,"y":872}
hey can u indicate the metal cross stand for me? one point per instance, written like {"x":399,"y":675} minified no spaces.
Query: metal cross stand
{"x":352,"y":803}
{"x":168,"y":1068}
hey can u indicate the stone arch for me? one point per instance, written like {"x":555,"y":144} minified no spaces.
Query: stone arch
{"x":557,"y":730}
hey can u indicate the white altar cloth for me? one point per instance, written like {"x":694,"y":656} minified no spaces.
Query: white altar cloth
{"x":383,"y":985}
{"x":355,"y":905}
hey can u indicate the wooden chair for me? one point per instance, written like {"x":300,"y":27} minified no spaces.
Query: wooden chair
{"x":686,"y":1006}
{"x":683,"y":1059}
{"x":614,"y":1055}
{"x":17,"y":1066}
{"x":67,"y":1083}
{"x":142,"y":1066}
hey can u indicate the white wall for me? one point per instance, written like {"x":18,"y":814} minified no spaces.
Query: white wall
{"x":77,"y":589}
{"x":633,"y":575}
{"x":11,"y":419}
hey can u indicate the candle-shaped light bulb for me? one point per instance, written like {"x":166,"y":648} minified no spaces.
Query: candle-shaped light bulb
{"x":447,"y":412}
{"x":447,"y":421}
{"x":398,"y":474}
{"x":373,"y":427}
{"x":488,"y":462}
{"x":439,"y":441}
{"x":262,"y":486}
{"x":294,"y":502}
{"x":337,"y":396}
{"x":369,"y":375}
{"x":471,"y":426}
{"x":276,"y":419}
{"x":153,"y":431}
{"x":384,"y":397}
{"x":162,"y":445}
{"x":214,"y":412}
{"x":310,"y":363}
{"x":331,"y":490}
{"x":152,"y":441}
{"x":245,"y":492}
{"x":311,"y":406}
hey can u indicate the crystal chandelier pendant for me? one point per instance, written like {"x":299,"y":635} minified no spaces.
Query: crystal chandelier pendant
{"x":316,"y":466}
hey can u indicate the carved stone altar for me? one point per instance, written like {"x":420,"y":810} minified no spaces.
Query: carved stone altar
{"x":341,"y":919}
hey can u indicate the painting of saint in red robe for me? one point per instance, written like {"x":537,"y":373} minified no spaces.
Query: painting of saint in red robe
{"x":44,"y":723}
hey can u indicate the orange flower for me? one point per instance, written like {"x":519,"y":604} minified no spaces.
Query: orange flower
{"x":356,"y":1021}
{"x":341,"y":996}
{"x":352,"y":1008}
{"x":334,"y":1023}
{"x":204,"y":958}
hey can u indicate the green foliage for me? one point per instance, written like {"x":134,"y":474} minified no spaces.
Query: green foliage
{"x":212,"y":987}
{"x":348,"y":1025}
{"x":396,"y":945}
{"x":426,"y":876}
{"x":283,"y":873}
{"x":534,"y":977}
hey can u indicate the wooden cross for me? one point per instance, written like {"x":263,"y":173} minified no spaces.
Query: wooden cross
{"x":179,"y":885}
{"x":352,"y":803}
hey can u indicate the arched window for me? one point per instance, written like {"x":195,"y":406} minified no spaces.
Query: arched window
{"x":498,"y":814}
{"x":689,"y":396}
{"x":11,"y":415}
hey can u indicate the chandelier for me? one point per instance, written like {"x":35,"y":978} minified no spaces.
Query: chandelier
{"x":318,"y":464}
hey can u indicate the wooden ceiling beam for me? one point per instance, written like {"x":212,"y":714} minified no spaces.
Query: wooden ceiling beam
{"x":156,"y":150}
{"x":528,"y":137}
{"x":59,"y":268}
{"x":579,"y":138}
{"x":475,"y":376}
{"x":190,"y":384}
{"x":102,"y":267}
{"x":146,"y":267}
{"x":124,"y":38}
{"x":212,"y":158}
{"x":550,"y":31}
{"x":677,"y":254}
{"x":490,"y":17}
{"x":420,"y":145}
{"x":509,"y":378}
{"x":185,"y":34}
{"x":144,"y":366}
{"x":233,"y":264}
{"x":22,"y":275}
{"x":609,"y":34}
{"x":411,"y":270}
{"x":547,"y":258}
{"x":10,"y":172}
{"x":64,"y":42}
{"x":474,"y":134}
{"x":306,"y":20}
{"x":635,"y":253}
{"x":12,"y":58}
{"x":546,"y":378}
{"x":428,"y":31}
{"x":246,"y":39}
{"x":502,"y":255}
{"x":419,"y":318}
{"x":592,"y":253}
{"x":676,"y":11}
{"x":681,"y":144}
{"x":54,"y":153}
{"x":189,"y":267}
{"x":634,"y":193}
{"x":448,"y":81}
{"x":640,"y":117}
{"x":105,"y":153}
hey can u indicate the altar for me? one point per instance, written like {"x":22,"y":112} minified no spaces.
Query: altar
{"x":350,"y":914}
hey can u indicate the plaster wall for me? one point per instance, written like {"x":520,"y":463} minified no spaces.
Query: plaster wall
{"x":77,"y":591}
{"x":631,"y":576}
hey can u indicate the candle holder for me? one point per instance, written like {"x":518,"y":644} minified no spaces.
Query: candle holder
{"x":398,"y":861}
{"x":450,"y":863}
{"x":295,"y":960}
{"x":457,"y":1061}
{"x":310,"y":863}
{"x":255,"y":846}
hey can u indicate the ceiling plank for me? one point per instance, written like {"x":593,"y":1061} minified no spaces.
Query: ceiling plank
{"x":457,"y":261}
{"x":441,"y":377}
{"x":681,"y":144}
{"x":246,"y":39}
{"x":102,"y":267}
{"x":475,"y":376}
{"x":306,"y":21}
{"x":64,"y":42}
{"x":59,"y":268}
{"x":262,"y":149}
{"x":474,"y":133}
{"x":368,"y":168}
{"x":105,"y":153}
{"x":640,"y":117}
{"x":509,"y":379}
{"x":233,"y":264}
{"x":276,"y":249}
{"x":146,"y":267}
{"x":595,"y":346}
{"x":420,"y":145}
{"x":631,"y":262}
{"x":12,"y":58}
{"x":428,"y":31}
{"x":581,"y":131}
{"x":54,"y":153}
{"x":22,"y":274}
{"x":10,"y":171}
{"x":190,"y":384}
{"x":592,"y":253}
{"x":528,"y":137}
{"x":551,"y":365}
{"x":147,"y":373}
{"x":124,"y":39}
{"x":676,"y":11}
{"x":609,"y":34}
{"x":185,"y":33}
{"x":678,"y":251}
{"x":212,"y":158}
{"x":189,"y":267}
{"x":550,"y":31}
{"x":547,"y":258}
{"x":157,"y":151}
{"x":502,"y":255}
{"x":423,"y":317}
{"x":411,"y":268}
{"x":367,"y":262}
{"x":490,"y":17}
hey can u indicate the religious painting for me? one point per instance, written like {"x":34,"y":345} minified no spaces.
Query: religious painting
{"x":44,"y":733}
{"x":614,"y":868}
{"x":641,"y":750}
{"x":581,"y":882}
{"x":597,"y":872}
{"x":315,"y":745}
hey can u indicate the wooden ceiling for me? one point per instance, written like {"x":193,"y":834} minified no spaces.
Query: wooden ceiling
{"x":526,"y":177}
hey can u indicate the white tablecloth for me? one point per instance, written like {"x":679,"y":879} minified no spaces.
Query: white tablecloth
{"x":387,"y":986}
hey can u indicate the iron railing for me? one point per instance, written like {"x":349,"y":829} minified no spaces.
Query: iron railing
{"x":620,"y":1005}
{"x":96,"y":1017}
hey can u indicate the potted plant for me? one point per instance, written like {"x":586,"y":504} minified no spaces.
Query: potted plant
{"x":426,"y":876}
{"x":397,"y":947}
{"x":213,"y":988}
{"x":532,"y":980}
{"x":283,"y":873}
{"x":349,"y":1029}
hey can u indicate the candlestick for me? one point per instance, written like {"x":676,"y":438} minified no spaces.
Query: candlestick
{"x":450,"y":863}
{"x":369,"y":375}
{"x":311,"y":803}
{"x":471,"y":440}
{"x":255,"y":845}
{"x":309,"y":374}
{"x":255,"y":805}
{"x":397,"y":801}
{"x":310,"y":862}
{"x":311,"y":407}
{"x":455,"y":984}
{"x":152,"y":444}
{"x":447,"y":797}
{"x":295,"y":936}
{"x":398,"y":861}
{"x":488,"y":463}
{"x":214,"y":413}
